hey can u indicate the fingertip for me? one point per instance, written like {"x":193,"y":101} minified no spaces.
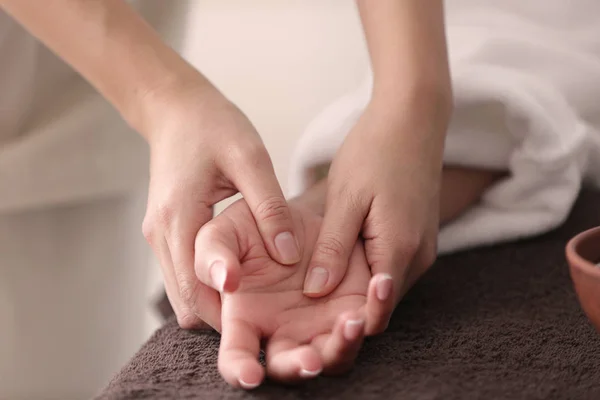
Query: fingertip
{"x":218,"y":275}
{"x":310,"y":362}
{"x":340,"y":348}
{"x":353,"y":329}
{"x":232,"y":279}
{"x":294,"y":363}
{"x":380,"y":303}
{"x":251,"y":375}
{"x":318,"y":282}
{"x":330,"y":260}
{"x":223,"y":276}
{"x":384,"y":286}
{"x":288,"y":248}
{"x":350,"y":326}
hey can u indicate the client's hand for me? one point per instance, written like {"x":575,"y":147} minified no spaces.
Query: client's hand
{"x":263,"y":302}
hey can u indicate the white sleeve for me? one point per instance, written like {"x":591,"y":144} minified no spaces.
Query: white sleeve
{"x":77,"y":150}
{"x":505,"y":118}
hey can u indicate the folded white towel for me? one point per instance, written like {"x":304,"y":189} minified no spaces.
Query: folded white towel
{"x":526,"y":79}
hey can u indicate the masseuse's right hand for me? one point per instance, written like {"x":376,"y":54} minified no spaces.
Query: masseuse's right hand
{"x":203,"y":150}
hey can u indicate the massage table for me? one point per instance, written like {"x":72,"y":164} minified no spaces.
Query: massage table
{"x":499,"y":322}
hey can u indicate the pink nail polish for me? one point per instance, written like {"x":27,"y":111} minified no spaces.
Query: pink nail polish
{"x":287,"y":247}
{"x":218,"y":274}
{"x":304,"y":373}
{"x":353,"y":328}
{"x":248,"y":386}
{"x":384,"y":287}
{"x":317,"y":278}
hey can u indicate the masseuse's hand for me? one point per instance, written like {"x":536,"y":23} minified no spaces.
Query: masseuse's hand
{"x":203,"y":150}
{"x":384,"y":184}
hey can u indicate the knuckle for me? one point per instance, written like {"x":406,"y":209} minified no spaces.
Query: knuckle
{"x":187,"y":320}
{"x":164,"y":214}
{"x":253,"y":155}
{"x":272,"y":209}
{"x":207,"y":233}
{"x":330,"y":247}
{"x":148,"y":229}
{"x":187,"y":292}
{"x":350,"y":195}
{"x":410,"y":245}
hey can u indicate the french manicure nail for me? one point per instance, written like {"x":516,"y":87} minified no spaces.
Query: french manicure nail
{"x":218,"y":274}
{"x":287,"y":247}
{"x":353,"y":328}
{"x":247,"y":385}
{"x":317,"y":278}
{"x":304,"y":373}
{"x":384,"y":287}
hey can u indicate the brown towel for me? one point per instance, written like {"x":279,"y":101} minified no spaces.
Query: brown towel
{"x":493,"y":323}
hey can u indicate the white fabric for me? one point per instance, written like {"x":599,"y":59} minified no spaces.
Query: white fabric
{"x":76,"y":276}
{"x":59,"y":140}
{"x":526,"y":78}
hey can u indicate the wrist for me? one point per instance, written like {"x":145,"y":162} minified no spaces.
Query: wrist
{"x":179,"y":93}
{"x":419,"y":99}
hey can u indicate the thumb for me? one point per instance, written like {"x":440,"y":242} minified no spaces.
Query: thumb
{"x":217,"y":255}
{"x":259,"y":186}
{"x":338,"y":235}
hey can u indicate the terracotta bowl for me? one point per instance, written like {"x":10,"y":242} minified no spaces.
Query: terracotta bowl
{"x":583,"y":255}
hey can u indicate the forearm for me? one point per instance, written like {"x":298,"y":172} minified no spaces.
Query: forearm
{"x":110,"y":45}
{"x":411,"y":101}
{"x":407,"y":46}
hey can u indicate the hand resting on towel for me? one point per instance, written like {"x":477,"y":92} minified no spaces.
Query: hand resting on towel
{"x":263,"y":301}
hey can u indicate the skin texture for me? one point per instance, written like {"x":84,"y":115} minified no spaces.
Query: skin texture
{"x":263,"y":301}
{"x":203,"y":149}
{"x":384,"y":182}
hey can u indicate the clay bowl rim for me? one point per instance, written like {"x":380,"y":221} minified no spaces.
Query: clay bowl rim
{"x":577,"y":261}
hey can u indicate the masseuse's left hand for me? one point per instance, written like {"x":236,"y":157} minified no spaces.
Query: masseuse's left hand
{"x":384,"y":184}
{"x":384,"y":181}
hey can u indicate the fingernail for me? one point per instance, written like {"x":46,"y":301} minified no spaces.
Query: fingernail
{"x":353,"y":328}
{"x":218,"y":274}
{"x":287,"y":247}
{"x":247,"y":385}
{"x":384,"y":287}
{"x":317,"y":278}
{"x":304,"y":373}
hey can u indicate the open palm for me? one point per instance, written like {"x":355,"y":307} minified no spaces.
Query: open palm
{"x":263,"y":302}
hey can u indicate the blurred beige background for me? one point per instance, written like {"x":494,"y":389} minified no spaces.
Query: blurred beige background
{"x":281,"y":62}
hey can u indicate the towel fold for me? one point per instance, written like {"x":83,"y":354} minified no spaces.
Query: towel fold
{"x":526,"y":80}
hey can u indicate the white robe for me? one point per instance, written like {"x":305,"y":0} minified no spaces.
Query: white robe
{"x":526,"y":77}
{"x":74,"y":268}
